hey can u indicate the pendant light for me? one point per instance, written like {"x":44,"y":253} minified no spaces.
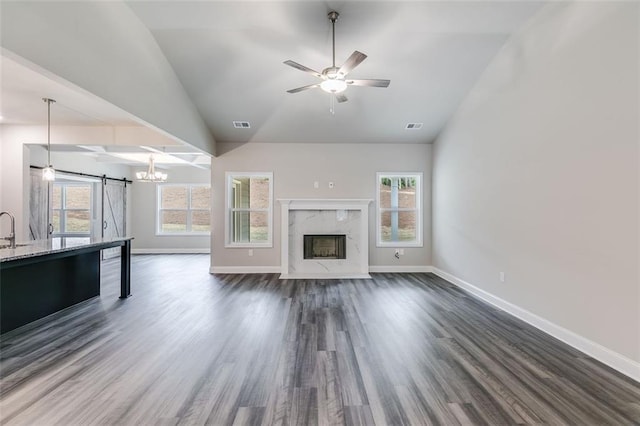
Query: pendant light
{"x":48,"y":173}
{"x":151,"y":175}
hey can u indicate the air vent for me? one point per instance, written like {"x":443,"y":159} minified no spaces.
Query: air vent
{"x":241,"y":124}
{"x":413,"y":126}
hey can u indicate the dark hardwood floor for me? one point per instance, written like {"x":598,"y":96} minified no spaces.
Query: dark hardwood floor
{"x":193,"y":348}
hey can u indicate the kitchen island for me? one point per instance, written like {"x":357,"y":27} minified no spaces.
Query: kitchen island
{"x":46,"y":276}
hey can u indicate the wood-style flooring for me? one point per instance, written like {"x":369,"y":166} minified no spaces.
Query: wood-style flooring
{"x":195,"y":348}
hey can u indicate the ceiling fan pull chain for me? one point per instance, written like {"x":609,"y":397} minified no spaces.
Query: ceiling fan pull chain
{"x":332,"y":107}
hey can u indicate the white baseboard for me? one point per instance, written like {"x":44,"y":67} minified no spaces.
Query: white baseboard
{"x":244,"y":270}
{"x":613,"y":359}
{"x":400,"y":268}
{"x":277,"y":269}
{"x":170,"y":251}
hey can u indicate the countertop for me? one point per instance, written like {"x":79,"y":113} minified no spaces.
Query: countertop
{"x":54,"y":245}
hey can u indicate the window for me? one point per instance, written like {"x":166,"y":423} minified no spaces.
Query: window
{"x":184,"y":209}
{"x":71,"y":209}
{"x":248,"y":220}
{"x":399,"y":210}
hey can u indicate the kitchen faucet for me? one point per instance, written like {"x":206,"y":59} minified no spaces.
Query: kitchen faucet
{"x":12,"y":236}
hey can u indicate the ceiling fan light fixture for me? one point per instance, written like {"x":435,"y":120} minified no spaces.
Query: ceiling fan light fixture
{"x":333,"y":85}
{"x":333,"y":77}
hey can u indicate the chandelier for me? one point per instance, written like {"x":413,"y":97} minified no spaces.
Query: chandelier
{"x":151,"y":175}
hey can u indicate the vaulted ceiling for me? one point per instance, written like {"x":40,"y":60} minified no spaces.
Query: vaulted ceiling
{"x":228,"y":56}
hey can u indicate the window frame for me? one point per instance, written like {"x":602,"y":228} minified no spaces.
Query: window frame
{"x":63,"y":209}
{"x":188,"y":210}
{"x":228,"y":240}
{"x":418,"y":176}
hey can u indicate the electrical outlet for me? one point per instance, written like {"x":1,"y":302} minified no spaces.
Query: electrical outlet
{"x":401,"y":252}
{"x":502,"y":277}
{"x":331,"y":185}
{"x":316,"y":184}
{"x":250,"y":252}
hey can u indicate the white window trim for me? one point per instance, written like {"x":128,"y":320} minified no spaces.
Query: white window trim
{"x":228,"y":243}
{"x":63,"y":209}
{"x":159,"y":232}
{"x":419,"y":210}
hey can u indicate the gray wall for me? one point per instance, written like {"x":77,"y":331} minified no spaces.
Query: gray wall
{"x":537,"y":175}
{"x":295,"y":167}
{"x":144,"y":216}
{"x":14,"y":183}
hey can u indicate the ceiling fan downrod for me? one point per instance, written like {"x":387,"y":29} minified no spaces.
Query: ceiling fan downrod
{"x":333,"y":17}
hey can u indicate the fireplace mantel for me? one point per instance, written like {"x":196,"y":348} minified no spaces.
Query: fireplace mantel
{"x":357,"y":265}
{"x":326,"y":203}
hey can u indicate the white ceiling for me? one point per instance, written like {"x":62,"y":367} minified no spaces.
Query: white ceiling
{"x":23,"y":88}
{"x":229,"y":57}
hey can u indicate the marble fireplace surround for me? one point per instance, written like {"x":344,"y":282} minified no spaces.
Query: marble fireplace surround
{"x":324,"y":216}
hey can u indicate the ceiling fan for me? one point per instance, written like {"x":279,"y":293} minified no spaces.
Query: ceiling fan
{"x":334,"y":79}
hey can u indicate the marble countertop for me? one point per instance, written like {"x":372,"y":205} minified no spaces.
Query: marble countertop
{"x":53,"y":245}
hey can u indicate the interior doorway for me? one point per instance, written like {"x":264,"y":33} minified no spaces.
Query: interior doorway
{"x":77,"y":205}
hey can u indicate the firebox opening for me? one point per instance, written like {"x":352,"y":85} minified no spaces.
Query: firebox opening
{"x":325,"y":246}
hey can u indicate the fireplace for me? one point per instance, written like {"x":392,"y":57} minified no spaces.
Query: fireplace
{"x":345,"y":220}
{"x":325,"y":246}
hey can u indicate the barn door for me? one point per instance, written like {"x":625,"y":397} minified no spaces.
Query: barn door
{"x":114,"y":208}
{"x":39,"y":211}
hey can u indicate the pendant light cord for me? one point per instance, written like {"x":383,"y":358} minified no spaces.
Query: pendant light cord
{"x":48,"y":131}
{"x":48,"y":101}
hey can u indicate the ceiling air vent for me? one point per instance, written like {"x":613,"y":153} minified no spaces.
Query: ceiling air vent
{"x":241,"y":124}
{"x":413,"y":126}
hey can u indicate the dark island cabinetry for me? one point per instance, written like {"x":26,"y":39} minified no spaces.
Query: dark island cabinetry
{"x":43,"y":277}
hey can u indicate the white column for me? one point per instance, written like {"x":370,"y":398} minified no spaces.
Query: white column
{"x":284,"y":236}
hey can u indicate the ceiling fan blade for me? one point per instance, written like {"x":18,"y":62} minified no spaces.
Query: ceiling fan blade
{"x":300,"y":89}
{"x":302,"y":68}
{"x":353,"y":61}
{"x":341,"y":98}
{"x":369,"y":83}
